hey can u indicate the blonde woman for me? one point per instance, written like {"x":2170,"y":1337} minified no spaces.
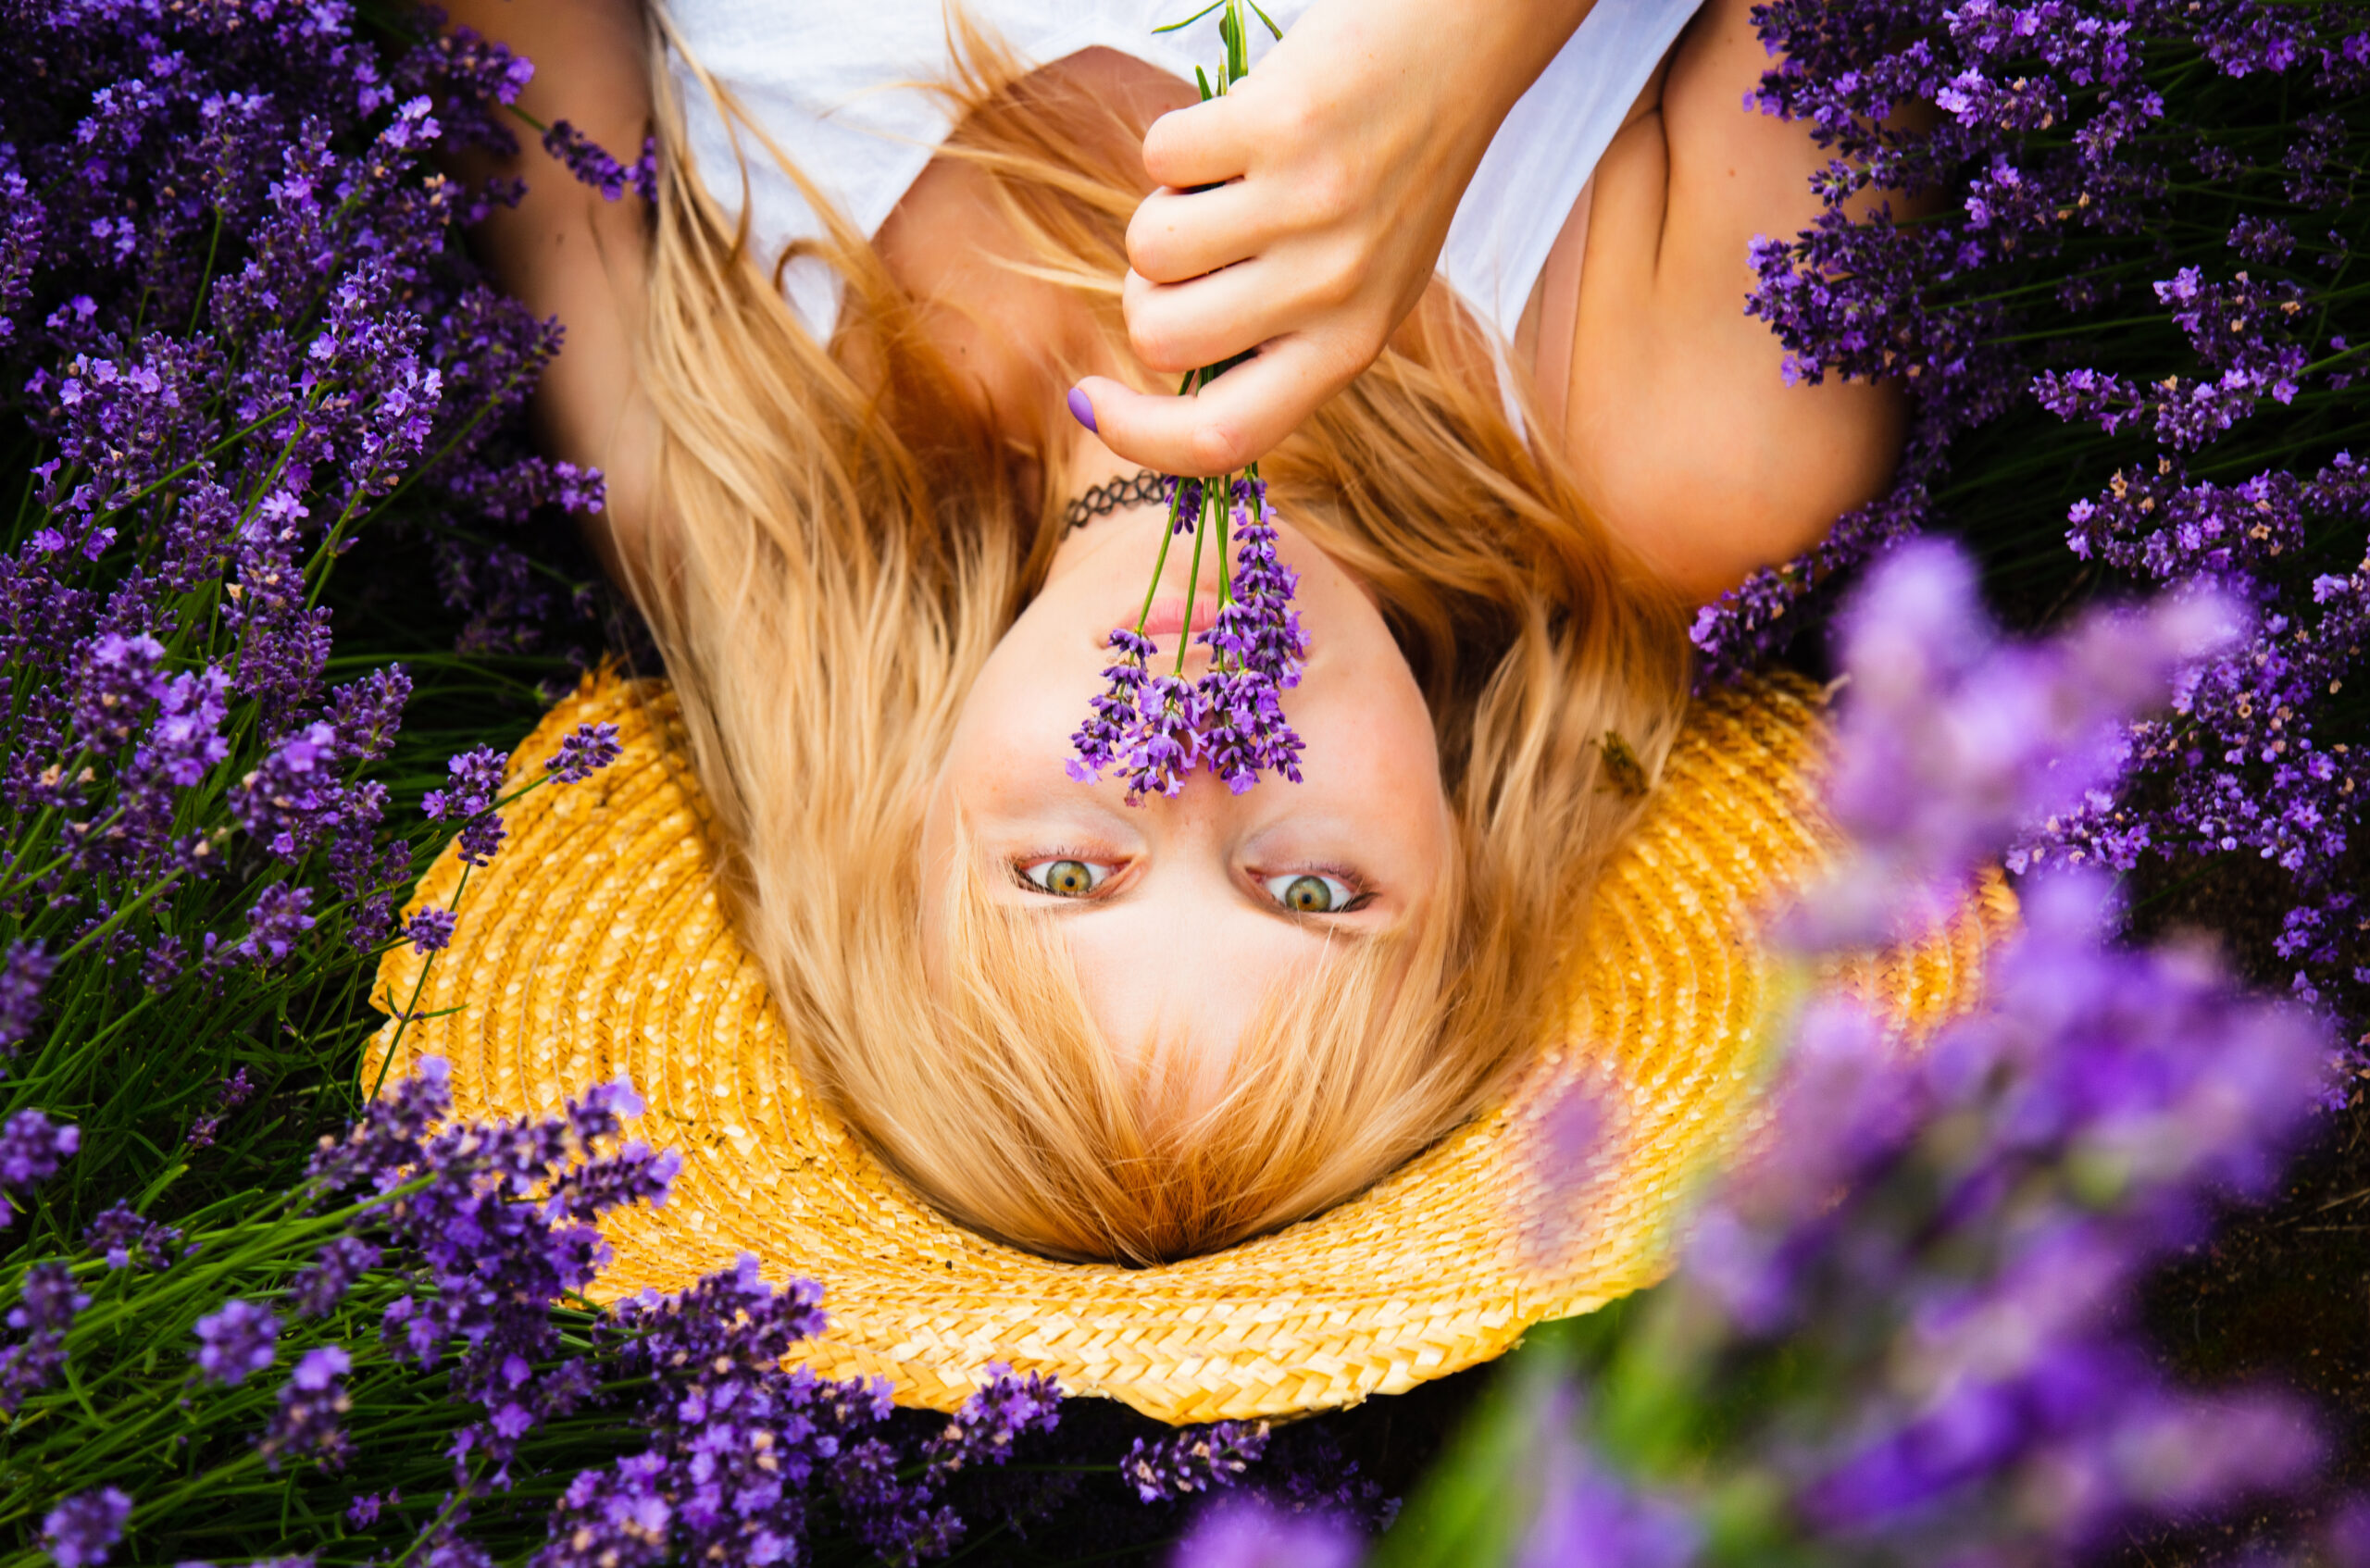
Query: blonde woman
{"x":869,"y":381}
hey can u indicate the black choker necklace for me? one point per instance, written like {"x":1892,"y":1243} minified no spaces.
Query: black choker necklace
{"x":1101,"y":500}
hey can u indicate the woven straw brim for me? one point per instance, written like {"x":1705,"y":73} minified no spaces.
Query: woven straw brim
{"x":594,"y":947}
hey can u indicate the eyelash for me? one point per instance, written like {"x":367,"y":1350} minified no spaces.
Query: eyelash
{"x":1360,"y":894}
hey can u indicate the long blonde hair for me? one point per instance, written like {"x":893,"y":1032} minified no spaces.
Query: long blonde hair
{"x":838,"y":544}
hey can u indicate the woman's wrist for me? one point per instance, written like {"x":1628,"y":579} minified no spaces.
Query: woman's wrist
{"x":1473,"y":62}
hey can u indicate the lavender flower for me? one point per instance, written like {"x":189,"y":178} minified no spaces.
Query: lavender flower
{"x":312,"y":1404}
{"x":431,"y":930}
{"x":82,"y":1531}
{"x":990,"y":1420}
{"x":45,"y":1308}
{"x":24,"y":970}
{"x":594,"y":167}
{"x":278,"y":919}
{"x":31,"y":1148}
{"x":1204,"y":1459}
{"x":234,"y":1092}
{"x":322,"y":1284}
{"x":1115,"y":714}
{"x":1244,"y":1533}
{"x":583,"y":752}
{"x":241,"y":1338}
{"x":1159,"y":729}
{"x":125,"y":1239}
{"x":475,"y":783}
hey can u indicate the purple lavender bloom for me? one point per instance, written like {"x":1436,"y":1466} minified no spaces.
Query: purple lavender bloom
{"x":45,"y":1308}
{"x":1949,"y":743}
{"x":1115,"y":714}
{"x":1199,"y":1460}
{"x":321,"y":1285}
{"x":431,"y":930}
{"x":234,"y":1091}
{"x":1007,"y":1407}
{"x":1587,"y":1518}
{"x":23,"y":972}
{"x":1166,"y":747}
{"x":278,"y":919}
{"x":313,"y":1405}
{"x":593,"y":165}
{"x":1245,"y":1533}
{"x":474,"y":784}
{"x":586,"y":750}
{"x":124,"y":1238}
{"x":80,"y":1532}
{"x":241,"y":1338}
{"x":31,"y":1148}
{"x":363,"y":1512}
{"x":481,"y":838}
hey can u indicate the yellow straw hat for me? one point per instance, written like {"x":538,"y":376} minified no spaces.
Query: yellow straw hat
{"x":594,"y":947}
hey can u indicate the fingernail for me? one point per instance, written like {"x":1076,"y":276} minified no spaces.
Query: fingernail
{"x":1082,"y":410}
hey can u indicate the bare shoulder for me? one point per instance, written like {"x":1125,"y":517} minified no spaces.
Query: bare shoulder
{"x":1688,"y":439}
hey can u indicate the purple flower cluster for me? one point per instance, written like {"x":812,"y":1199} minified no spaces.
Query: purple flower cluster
{"x":31,"y":1148}
{"x":236,"y":330}
{"x":1953,"y":744}
{"x":1202,"y":1459}
{"x":127,"y":1241}
{"x":313,"y":1405}
{"x":1159,"y":729}
{"x":743,"y":1455}
{"x":46,"y":1305}
{"x":234,"y":1092}
{"x":2147,"y":214}
{"x":497,"y":1219}
{"x":1938,"y":1246}
{"x":593,"y":165}
{"x":1248,"y":1533}
{"x":239,"y":1338}
{"x":80,"y":1532}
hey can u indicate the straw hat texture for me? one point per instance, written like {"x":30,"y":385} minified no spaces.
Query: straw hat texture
{"x":594,"y":947}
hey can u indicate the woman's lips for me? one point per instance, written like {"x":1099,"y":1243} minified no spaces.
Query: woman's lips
{"x":1168,"y":615}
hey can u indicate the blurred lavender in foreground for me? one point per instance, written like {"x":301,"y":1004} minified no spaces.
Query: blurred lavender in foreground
{"x":1900,"y":1333}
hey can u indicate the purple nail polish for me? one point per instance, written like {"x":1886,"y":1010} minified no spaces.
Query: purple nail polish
{"x":1082,"y":410}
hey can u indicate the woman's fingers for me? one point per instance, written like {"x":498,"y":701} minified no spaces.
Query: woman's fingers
{"x":1200,"y":144}
{"x":1174,"y":328}
{"x":1228,"y":424}
{"x":1179,"y":234}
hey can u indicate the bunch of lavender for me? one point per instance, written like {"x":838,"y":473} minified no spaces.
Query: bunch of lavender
{"x":2128,"y":308}
{"x":1160,"y":730}
{"x":1900,"y":1333}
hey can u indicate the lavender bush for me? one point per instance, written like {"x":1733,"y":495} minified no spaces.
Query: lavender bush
{"x":1901,"y":1333}
{"x":2131,"y":334}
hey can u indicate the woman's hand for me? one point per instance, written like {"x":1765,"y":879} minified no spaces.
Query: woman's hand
{"x":1337,"y":166}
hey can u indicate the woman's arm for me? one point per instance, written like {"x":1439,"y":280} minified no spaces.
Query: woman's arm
{"x":1337,"y":166}
{"x":565,"y":251}
{"x":1690,"y":444}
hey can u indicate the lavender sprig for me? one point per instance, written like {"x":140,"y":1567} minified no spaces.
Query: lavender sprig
{"x":1159,"y":730}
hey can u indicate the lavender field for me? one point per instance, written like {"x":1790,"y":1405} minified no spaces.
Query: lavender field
{"x":285,"y":581}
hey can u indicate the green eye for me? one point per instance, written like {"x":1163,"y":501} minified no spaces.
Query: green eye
{"x":1309,"y":893}
{"x":1066,"y":878}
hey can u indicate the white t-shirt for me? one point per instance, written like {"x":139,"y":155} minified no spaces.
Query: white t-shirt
{"x":832,"y":84}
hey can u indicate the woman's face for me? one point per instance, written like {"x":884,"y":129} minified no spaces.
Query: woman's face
{"x":1181,"y":915}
